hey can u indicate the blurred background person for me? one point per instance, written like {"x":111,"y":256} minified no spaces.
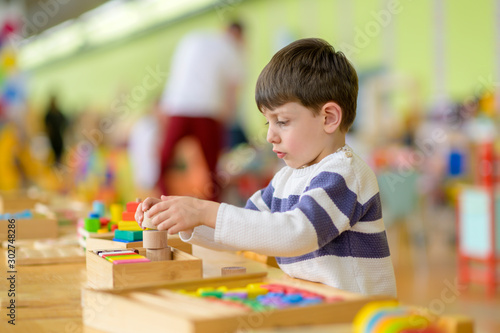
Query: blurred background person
{"x":143,"y":148}
{"x":55,"y":125}
{"x":200,"y":97}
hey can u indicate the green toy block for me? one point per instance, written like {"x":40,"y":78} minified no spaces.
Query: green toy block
{"x":92,"y":224}
{"x":128,"y":235}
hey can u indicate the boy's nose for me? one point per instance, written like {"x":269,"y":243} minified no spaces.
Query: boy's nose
{"x":272,"y":137}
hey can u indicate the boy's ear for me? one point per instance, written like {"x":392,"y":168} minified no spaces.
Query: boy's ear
{"x":332,"y":114}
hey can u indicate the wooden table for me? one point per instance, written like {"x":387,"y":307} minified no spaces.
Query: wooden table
{"x":48,"y":297}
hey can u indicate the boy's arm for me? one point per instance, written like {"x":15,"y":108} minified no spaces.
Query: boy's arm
{"x":328,"y":207}
{"x":204,"y":236}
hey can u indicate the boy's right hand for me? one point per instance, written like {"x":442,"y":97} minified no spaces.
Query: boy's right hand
{"x":144,"y":207}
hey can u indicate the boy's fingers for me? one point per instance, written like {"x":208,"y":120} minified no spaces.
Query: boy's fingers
{"x":163,"y":226}
{"x":174,"y":230}
{"x":157,"y":208}
{"x":138,"y":212}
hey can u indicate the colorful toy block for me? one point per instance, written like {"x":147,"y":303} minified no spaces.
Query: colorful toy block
{"x":132,"y":206}
{"x":131,"y":261}
{"x":129,"y":225}
{"x":98,"y":208}
{"x":128,"y":235}
{"x":116,"y":212}
{"x":128,"y":216}
{"x":92,"y":224}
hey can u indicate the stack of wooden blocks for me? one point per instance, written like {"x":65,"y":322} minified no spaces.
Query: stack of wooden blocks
{"x":128,"y":229}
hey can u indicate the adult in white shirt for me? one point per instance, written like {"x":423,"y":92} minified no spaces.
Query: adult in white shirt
{"x":201,"y":94}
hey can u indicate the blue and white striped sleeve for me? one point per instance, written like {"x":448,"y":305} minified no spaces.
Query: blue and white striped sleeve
{"x":261,"y":200}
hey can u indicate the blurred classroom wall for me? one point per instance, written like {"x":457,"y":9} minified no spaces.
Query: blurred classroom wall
{"x":445,"y":46}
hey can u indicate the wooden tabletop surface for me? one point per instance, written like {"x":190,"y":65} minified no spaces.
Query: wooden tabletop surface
{"x":48,"y":297}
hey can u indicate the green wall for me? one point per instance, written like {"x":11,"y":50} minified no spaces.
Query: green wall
{"x":404,"y":43}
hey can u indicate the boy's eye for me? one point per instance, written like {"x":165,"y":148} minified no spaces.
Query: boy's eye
{"x":281,"y":123}
{"x":267,"y":123}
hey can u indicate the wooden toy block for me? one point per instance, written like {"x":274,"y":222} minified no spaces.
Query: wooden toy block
{"x":155,"y":239}
{"x":103,"y":274}
{"x":128,"y":225}
{"x":148,"y":223}
{"x":129,"y":235}
{"x":227,"y":271}
{"x":92,"y":224}
{"x":128,"y":216}
{"x":132,"y":206}
{"x":116,"y":253}
{"x":30,"y":228}
{"x":159,"y":254}
{"x":99,"y":208}
{"x":124,"y":257}
{"x":104,"y":221}
{"x":456,"y":324}
{"x":116,"y":212}
{"x":108,"y":243}
{"x":130,"y":261}
{"x":188,"y":314}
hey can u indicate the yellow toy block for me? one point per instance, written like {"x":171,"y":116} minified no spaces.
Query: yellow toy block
{"x":133,"y":256}
{"x":116,"y":212}
{"x":129,"y":225}
{"x":103,"y":231}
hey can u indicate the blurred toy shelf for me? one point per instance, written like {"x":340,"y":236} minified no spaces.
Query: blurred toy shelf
{"x":478,"y":224}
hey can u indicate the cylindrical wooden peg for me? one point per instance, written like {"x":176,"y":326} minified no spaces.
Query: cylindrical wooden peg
{"x":227,"y":271}
{"x":147,"y":222}
{"x":159,"y":254}
{"x":154,"y":239}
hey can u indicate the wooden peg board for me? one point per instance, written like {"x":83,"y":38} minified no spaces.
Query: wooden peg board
{"x":55,"y":255}
{"x":185,"y":314}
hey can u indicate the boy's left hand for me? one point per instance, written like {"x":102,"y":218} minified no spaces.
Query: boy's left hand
{"x":176,"y":213}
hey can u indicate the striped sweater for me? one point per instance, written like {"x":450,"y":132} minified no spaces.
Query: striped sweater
{"x":323,"y":223}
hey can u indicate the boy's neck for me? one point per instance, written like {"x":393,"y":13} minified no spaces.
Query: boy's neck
{"x":338,"y":141}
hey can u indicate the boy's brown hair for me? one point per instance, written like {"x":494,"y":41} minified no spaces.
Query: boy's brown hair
{"x":310,"y":72}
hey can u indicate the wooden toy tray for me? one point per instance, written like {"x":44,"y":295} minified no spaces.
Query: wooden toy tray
{"x":102,"y":274}
{"x":162,"y":309}
{"x":56,"y":255}
{"x":37,"y":227}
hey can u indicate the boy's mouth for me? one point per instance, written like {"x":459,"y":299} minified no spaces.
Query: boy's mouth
{"x":280,"y":154}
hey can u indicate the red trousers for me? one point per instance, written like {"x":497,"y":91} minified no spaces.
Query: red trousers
{"x":209,"y":133}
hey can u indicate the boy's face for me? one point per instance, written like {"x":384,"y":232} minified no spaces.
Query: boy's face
{"x":297,"y":135}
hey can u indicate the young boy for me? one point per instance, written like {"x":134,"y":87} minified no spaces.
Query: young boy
{"x":321,"y":214}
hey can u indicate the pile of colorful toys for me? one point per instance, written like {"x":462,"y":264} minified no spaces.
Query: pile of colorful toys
{"x":261,"y":297}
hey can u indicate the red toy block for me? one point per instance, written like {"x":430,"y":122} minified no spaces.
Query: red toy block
{"x":132,"y":206}
{"x":128,"y":216}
